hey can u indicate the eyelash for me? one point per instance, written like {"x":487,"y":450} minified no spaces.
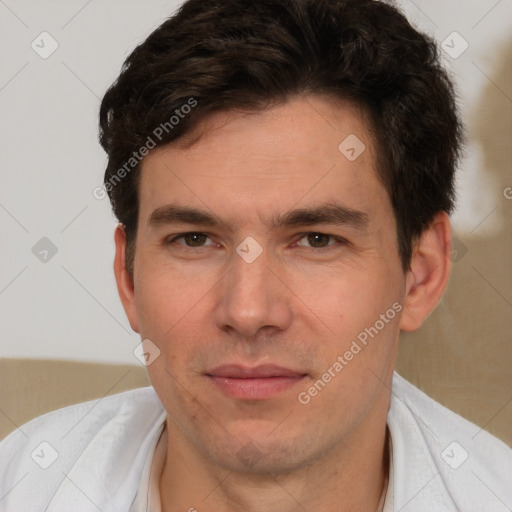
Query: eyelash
{"x":339,"y":240}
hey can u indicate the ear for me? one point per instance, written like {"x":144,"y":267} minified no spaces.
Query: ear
{"x":429,"y":272}
{"x":125,"y":286}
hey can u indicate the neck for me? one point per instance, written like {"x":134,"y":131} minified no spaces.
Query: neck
{"x":348,"y":477}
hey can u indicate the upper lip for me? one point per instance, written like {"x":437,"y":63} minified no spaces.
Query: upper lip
{"x":236,"y":371}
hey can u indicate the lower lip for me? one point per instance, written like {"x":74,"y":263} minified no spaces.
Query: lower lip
{"x":255,"y":389}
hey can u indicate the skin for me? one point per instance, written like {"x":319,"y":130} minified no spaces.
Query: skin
{"x":299,"y":305}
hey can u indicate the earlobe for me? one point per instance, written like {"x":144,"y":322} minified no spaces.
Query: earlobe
{"x":428,"y":274}
{"x":125,"y":285}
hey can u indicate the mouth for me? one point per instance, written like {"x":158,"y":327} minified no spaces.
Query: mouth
{"x":258,"y":383}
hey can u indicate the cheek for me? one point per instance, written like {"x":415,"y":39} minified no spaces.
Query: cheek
{"x":172,"y":315}
{"x":168,"y":297}
{"x":347,"y":297}
{"x":361,"y":311}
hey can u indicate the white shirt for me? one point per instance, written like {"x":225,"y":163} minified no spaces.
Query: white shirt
{"x":100,"y":455}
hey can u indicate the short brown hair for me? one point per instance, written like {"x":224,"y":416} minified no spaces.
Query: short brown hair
{"x":249,"y":54}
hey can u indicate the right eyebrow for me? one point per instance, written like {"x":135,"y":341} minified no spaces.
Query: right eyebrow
{"x":174,"y":214}
{"x":170,"y":214}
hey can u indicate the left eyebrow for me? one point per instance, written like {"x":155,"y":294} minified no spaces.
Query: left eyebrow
{"x":330,"y":213}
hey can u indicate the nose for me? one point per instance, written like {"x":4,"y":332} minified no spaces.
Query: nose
{"x":253,"y":298}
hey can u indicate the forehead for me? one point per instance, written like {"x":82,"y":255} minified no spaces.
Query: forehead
{"x":310,"y":149}
{"x":302,"y":128}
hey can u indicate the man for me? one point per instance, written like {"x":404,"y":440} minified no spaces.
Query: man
{"x":282,"y":172}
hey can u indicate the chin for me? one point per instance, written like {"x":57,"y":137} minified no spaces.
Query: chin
{"x":256,"y":454}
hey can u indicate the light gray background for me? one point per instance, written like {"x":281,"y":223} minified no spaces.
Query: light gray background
{"x":50,"y":163}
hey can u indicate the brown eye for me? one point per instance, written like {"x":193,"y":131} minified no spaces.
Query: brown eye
{"x":195,"y":239}
{"x":192,"y":239}
{"x":318,"y":240}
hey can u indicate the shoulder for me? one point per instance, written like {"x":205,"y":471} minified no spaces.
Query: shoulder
{"x":38,"y":457}
{"x":465,"y":467}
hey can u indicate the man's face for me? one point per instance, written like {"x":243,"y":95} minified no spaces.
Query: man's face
{"x":262,"y":301}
